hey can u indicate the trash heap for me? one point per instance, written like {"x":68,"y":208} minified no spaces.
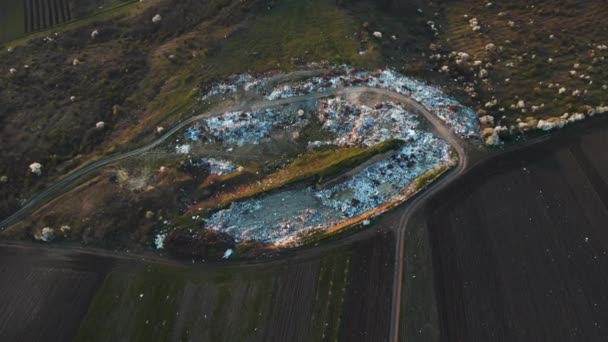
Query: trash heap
{"x":461,"y":119}
{"x":234,"y":84}
{"x":279,"y":217}
{"x":214,"y":166}
{"x":360,"y":125}
{"x":275,"y":218}
{"x":241,"y":128}
{"x":384,"y":180}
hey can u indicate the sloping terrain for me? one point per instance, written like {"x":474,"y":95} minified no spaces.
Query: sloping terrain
{"x":341,"y":295}
{"x":519,"y":244}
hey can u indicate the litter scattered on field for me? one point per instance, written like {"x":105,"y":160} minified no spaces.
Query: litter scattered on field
{"x":227,"y":253}
{"x":214,"y":166}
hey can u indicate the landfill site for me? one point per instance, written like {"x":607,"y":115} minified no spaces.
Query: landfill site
{"x":292,"y":159}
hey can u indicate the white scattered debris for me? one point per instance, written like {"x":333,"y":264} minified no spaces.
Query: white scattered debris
{"x":10,"y":49}
{"x":100,"y":125}
{"x":487,"y":120}
{"x":4,"y":179}
{"x":72,"y":98}
{"x":36,"y":168}
{"x":157,"y":18}
{"x":214,"y":166}
{"x":159,"y":240}
{"x":561,"y":90}
{"x":521,"y":104}
{"x":366,"y":222}
{"x":491,"y":104}
{"x":65,"y":229}
{"x":462,"y":57}
{"x":474,"y":24}
{"x":378,"y":34}
{"x":12,"y":71}
{"x":241,"y":128}
{"x":493,"y":139}
{"x":483,"y":73}
{"x":491,"y":47}
{"x":75,"y":61}
{"x":182,"y":149}
{"x":94,"y":34}
{"x":160,"y":129}
{"x":550,"y":124}
{"x":47,"y":234}
{"x":576,"y":117}
{"x":227,"y":253}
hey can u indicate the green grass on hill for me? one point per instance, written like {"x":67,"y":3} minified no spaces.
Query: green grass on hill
{"x":291,"y":33}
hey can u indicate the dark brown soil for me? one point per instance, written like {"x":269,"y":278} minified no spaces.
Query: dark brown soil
{"x":43,"y":299}
{"x":367,"y":309}
{"x":328,"y":294}
{"x":520,"y":244}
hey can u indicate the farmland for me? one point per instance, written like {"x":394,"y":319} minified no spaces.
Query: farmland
{"x":343,"y":294}
{"x":524,"y":264}
{"x":41,"y":14}
{"x":22,"y":17}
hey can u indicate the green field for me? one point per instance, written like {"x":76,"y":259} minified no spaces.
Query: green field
{"x":163,"y":303}
{"x":12,"y":19}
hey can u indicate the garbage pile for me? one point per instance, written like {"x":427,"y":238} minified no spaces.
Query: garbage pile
{"x":275,"y":218}
{"x":234,"y":84}
{"x":280,"y":216}
{"x":382,"y":181}
{"x":213,"y":166}
{"x":461,"y":119}
{"x":360,"y":125}
{"x":241,"y":128}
